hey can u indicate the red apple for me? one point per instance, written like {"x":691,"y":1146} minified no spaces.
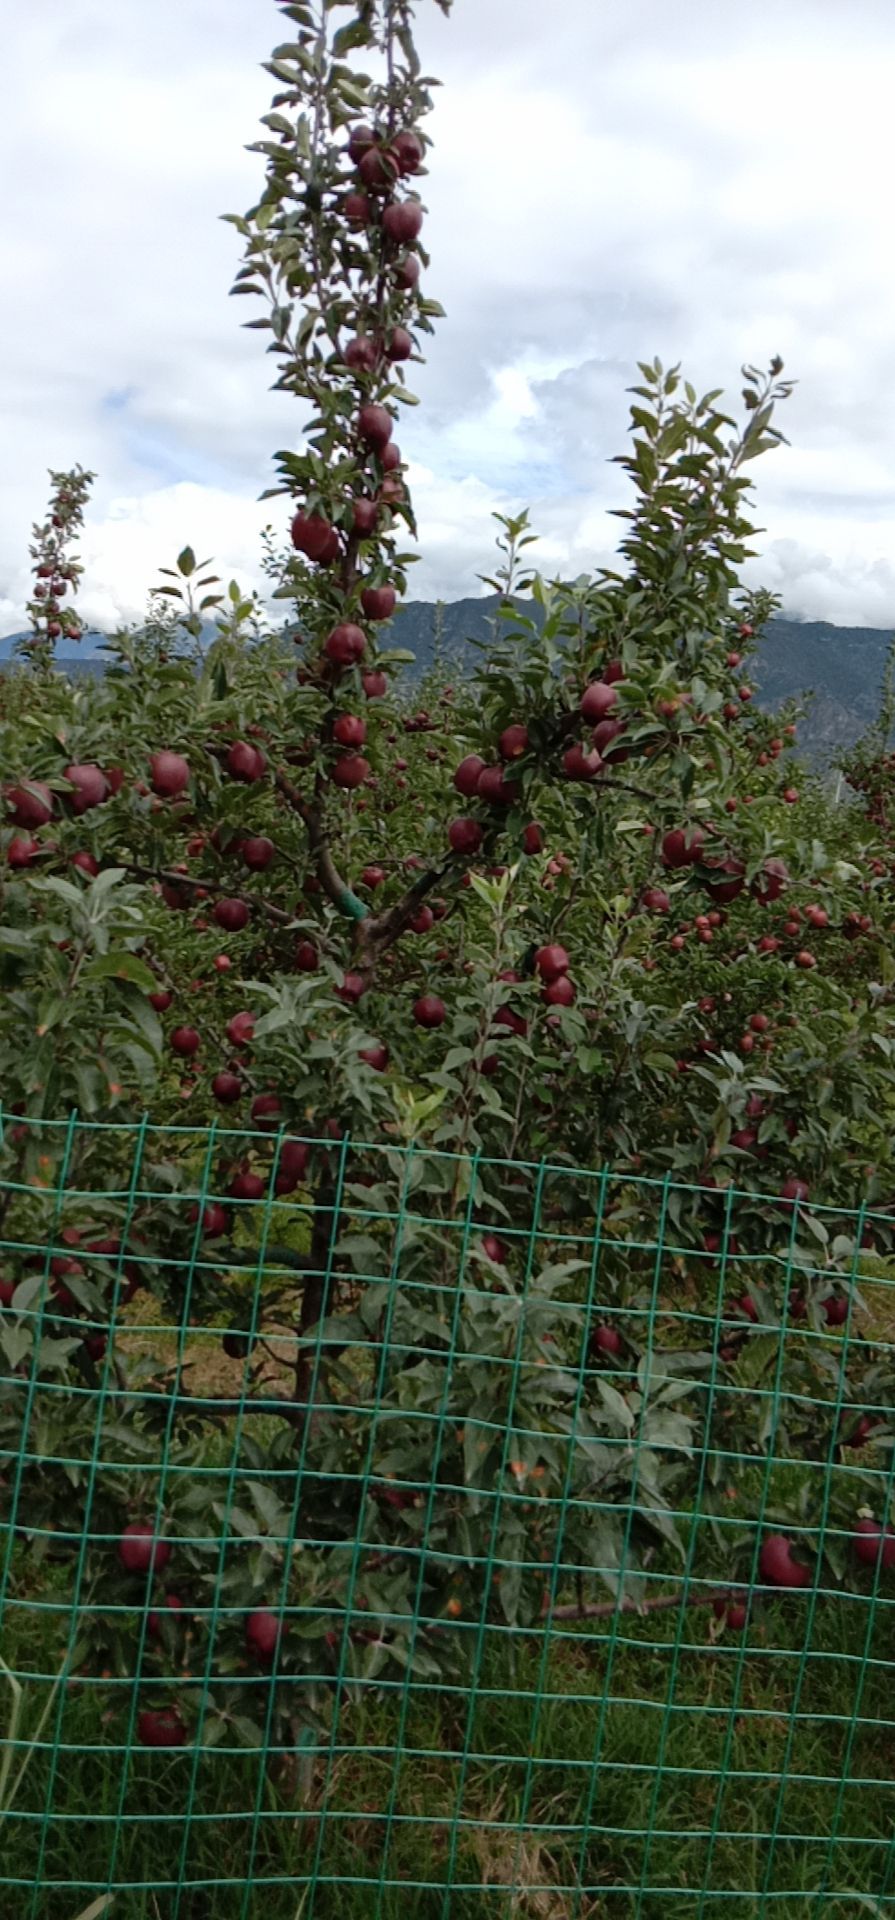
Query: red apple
{"x":375,"y":426}
{"x":345,"y":645}
{"x":246,"y":1186}
{"x":468,"y":774}
{"x":407,"y":273}
{"x":350,"y":771}
{"x":22,"y":851}
{"x":597,"y":700}
{"x":365,"y":514}
{"x":226,"y":1088}
{"x":185,"y":1041}
{"x":89,"y":784}
{"x":777,"y":1566}
{"x":378,"y":602}
{"x":352,"y":989}
{"x":400,"y":345}
{"x":465,"y":836}
{"x":266,"y":1111}
{"x":560,"y":992}
{"x":141,"y":1551}
{"x":31,"y":804}
{"x":533,"y":838}
{"x":306,"y":956}
{"x":361,"y":354}
{"x":350,"y":730}
{"x":578,"y":764}
{"x":874,"y":1544}
{"x":402,"y":221}
{"x":682,"y":846}
{"x":656,"y":900}
{"x":161,"y":1000}
{"x":262,"y":1634}
{"x":376,"y":1056}
{"x":375,"y":685}
{"x":161,"y":1728}
{"x":245,"y":762}
{"x":232,"y":915}
{"x":312,"y":535}
{"x":513,"y":742}
{"x":85,"y":863}
{"x":408,"y":150}
{"x":169,"y":774}
{"x":429,"y":1011}
{"x":257,"y":852}
{"x":606,"y":1339}
{"x":240,"y":1029}
{"x":494,"y":788}
{"x":551,"y":961}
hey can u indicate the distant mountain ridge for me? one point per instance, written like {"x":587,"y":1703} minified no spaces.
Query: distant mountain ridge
{"x":840,"y":668}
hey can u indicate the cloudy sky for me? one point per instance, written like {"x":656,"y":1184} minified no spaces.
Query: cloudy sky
{"x":612,"y":179}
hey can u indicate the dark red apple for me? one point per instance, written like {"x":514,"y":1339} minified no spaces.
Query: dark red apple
{"x":345,"y":645}
{"x":312,"y":535}
{"x":226,"y":1088}
{"x":22,"y":851}
{"x":161,"y":1728}
{"x":185,"y":1041}
{"x":257,"y":852}
{"x":375,"y":426}
{"x":375,"y":685}
{"x":468,"y":774}
{"x":597,"y":700}
{"x":606,"y":1339}
{"x":656,"y":900}
{"x":429,"y":1011}
{"x":407,"y":273}
{"x":140,"y":1549}
{"x":578,"y":764}
{"x":495,"y":789}
{"x":85,"y":863}
{"x":376,"y":1056}
{"x":350,"y":730}
{"x":513,"y":742}
{"x":245,"y":762}
{"x":777,"y":1566}
{"x":352,"y":989}
{"x":240,"y":1029}
{"x":533,"y":838}
{"x":262,"y":1634}
{"x":350,"y":771}
{"x":400,"y":345}
{"x":874,"y":1544}
{"x":230,"y":914}
{"x":266,"y":1111}
{"x":161,"y":1000}
{"x":551,"y":961}
{"x":408,"y":150}
{"x":169,"y":774}
{"x":378,"y":602}
{"x":682,"y":846}
{"x":560,"y":992}
{"x":402,"y":221}
{"x":365,"y":513}
{"x":31,"y":804}
{"x":465,"y":836}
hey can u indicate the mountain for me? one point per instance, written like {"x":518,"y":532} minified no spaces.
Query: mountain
{"x":836,"y":671}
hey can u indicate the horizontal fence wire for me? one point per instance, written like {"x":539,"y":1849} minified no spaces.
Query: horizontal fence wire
{"x":379,"y":1523}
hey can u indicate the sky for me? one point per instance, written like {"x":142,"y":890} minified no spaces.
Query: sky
{"x":611,"y":180}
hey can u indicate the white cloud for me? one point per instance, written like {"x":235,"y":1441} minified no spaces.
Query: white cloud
{"x":609,"y":181}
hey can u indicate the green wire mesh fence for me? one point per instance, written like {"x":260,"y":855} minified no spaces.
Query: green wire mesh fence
{"x":385,"y":1529}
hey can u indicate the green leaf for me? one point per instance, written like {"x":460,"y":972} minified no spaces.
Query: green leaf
{"x":120,"y":965}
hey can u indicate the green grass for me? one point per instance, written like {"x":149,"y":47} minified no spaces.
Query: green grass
{"x":525,"y":1809}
